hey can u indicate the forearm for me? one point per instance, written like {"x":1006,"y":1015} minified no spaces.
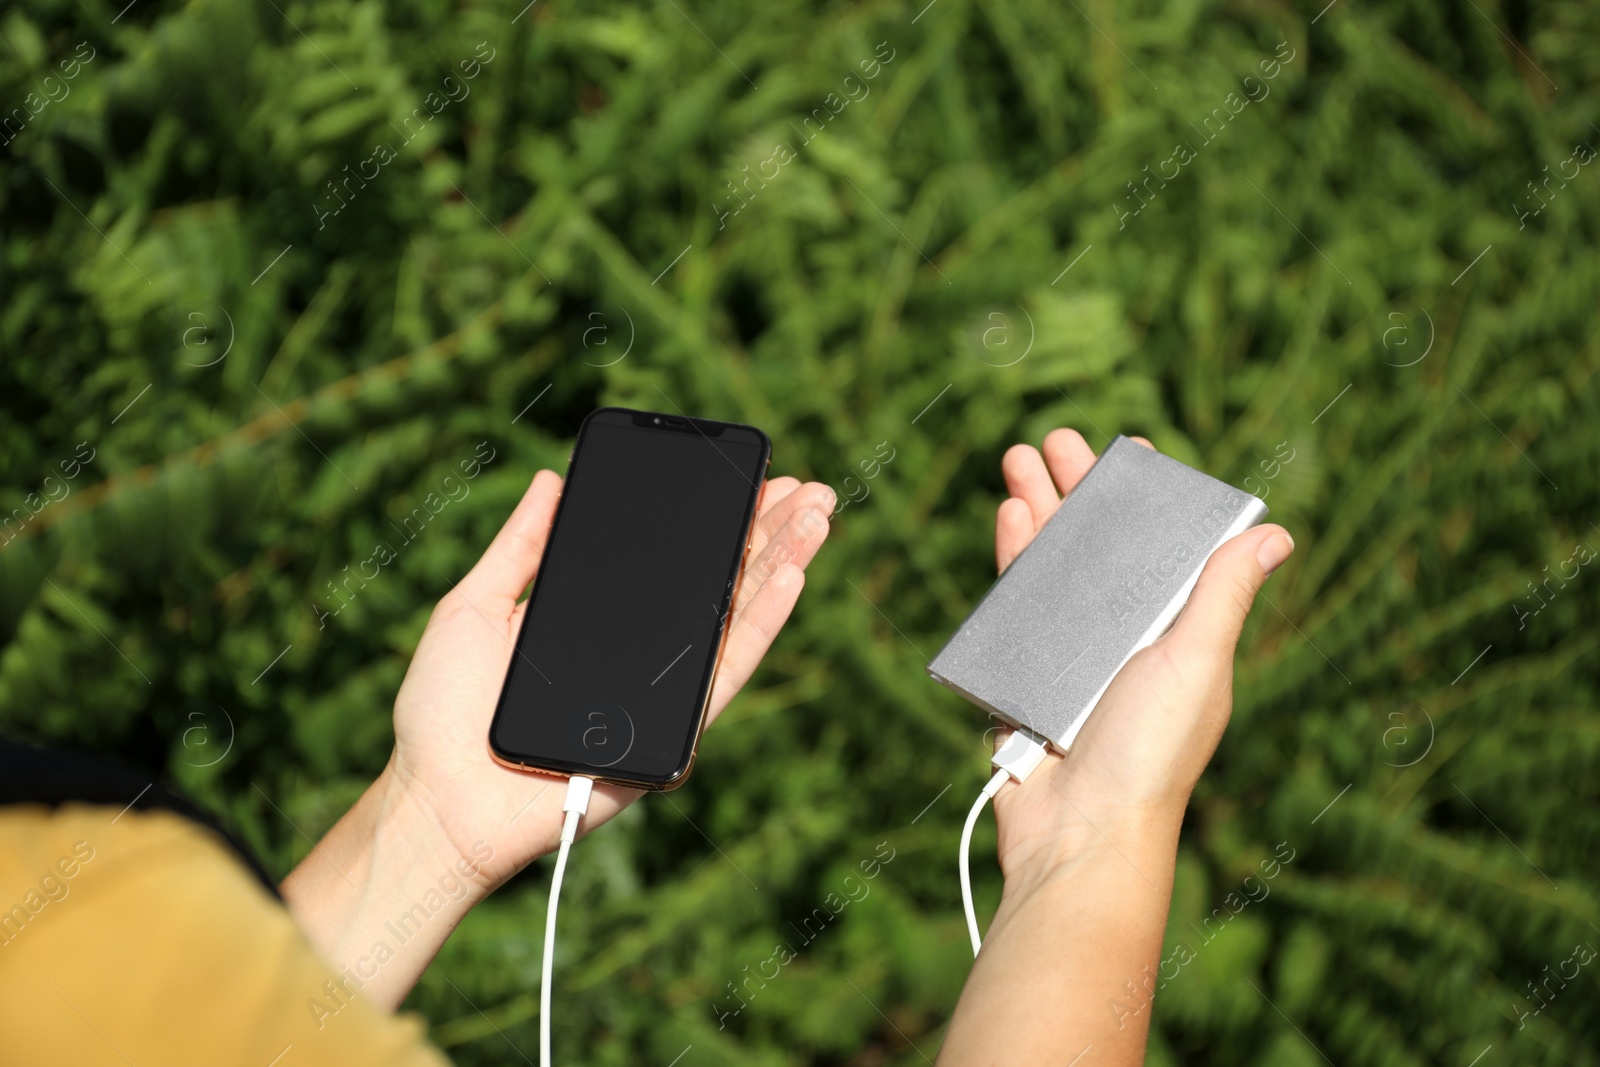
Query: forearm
{"x":1064,"y":951}
{"x":380,"y":893}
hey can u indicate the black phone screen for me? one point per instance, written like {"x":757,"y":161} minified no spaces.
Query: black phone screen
{"x":617,"y":648}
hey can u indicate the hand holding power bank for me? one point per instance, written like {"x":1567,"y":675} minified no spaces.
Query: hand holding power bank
{"x":1099,"y":556}
{"x":1103,"y":579}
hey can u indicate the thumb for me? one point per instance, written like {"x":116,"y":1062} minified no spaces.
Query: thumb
{"x":1210,"y":623}
{"x":498,"y":579}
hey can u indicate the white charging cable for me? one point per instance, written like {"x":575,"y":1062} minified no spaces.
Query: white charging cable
{"x":575,"y":805}
{"x":1017,"y":758}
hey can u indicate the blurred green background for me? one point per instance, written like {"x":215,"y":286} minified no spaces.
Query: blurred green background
{"x":271,"y":270}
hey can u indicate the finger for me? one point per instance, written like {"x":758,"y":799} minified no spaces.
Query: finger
{"x":752,"y":633}
{"x":498,"y":579}
{"x":1210,"y":623}
{"x":796,"y":543}
{"x":1013,"y":529}
{"x":1069,"y":458}
{"x":772,"y":492}
{"x":1144,"y":441}
{"x":772,"y":519}
{"x":776,"y":489}
{"x":1027,"y":478}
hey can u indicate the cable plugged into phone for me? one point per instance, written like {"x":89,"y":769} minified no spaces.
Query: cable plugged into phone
{"x":1017,"y":758}
{"x":576,"y":805}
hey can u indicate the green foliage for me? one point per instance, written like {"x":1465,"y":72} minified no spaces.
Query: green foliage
{"x":881,"y":286}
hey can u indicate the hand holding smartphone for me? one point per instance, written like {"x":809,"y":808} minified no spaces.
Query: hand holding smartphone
{"x":613,"y":667}
{"x":445,"y":792}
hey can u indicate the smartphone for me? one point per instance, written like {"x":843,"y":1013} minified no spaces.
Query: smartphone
{"x":612,"y":669}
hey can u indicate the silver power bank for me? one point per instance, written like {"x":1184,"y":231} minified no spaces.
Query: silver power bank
{"x":1106,"y":576}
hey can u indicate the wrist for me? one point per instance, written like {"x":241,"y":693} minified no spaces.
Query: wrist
{"x":411,"y":837}
{"x":1082,"y":922}
{"x":384,"y":888}
{"x":1093,"y":838}
{"x":411,"y":844}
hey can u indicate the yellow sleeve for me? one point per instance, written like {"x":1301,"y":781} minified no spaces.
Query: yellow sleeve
{"x":139,"y":938}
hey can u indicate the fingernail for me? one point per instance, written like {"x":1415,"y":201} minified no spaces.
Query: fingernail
{"x":833,"y":498}
{"x":1273,"y":551}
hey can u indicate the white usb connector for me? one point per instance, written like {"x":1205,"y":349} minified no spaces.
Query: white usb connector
{"x":1016,"y":758}
{"x":1020,"y":753}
